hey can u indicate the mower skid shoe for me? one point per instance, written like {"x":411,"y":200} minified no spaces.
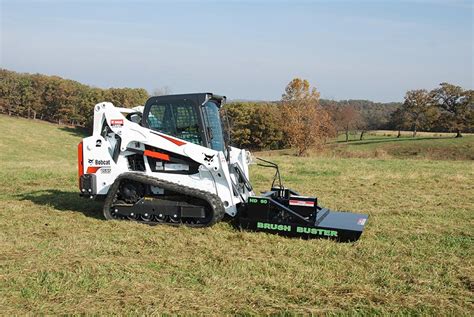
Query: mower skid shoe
{"x":329,"y":224}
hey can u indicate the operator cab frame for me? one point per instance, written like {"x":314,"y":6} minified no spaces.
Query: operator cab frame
{"x":193,"y":118}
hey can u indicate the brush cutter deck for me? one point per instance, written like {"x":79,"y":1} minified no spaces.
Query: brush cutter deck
{"x":285,"y":212}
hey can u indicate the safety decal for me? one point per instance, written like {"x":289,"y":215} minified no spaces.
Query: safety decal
{"x":116,"y":122}
{"x":361,"y":221}
{"x":301,"y":203}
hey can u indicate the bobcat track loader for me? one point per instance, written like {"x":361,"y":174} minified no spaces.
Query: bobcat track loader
{"x":169,"y":163}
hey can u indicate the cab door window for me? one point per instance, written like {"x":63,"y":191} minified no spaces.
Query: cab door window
{"x":178,"y":119}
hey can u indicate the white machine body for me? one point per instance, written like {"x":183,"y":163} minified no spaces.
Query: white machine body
{"x":116,"y":137}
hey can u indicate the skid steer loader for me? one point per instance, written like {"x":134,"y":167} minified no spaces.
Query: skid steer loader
{"x":168,"y":162}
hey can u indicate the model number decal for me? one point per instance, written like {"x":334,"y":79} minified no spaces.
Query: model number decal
{"x":258,"y":201}
{"x":105,"y":170}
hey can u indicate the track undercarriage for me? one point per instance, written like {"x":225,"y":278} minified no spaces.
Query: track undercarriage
{"x":131,"y":197}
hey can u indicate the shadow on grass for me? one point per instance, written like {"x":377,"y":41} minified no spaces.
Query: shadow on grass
{"x":76,"y":131}
{"x":393,"y":140}
{"x":365,"y":140}
{"x":65,"y":201}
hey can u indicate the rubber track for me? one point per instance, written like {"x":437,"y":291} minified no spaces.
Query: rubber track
{"x":213,"y":200}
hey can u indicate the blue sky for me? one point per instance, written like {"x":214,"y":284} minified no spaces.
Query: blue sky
{"x":244,"y":49}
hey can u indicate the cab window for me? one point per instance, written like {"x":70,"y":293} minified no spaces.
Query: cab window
{"x":178,"y":119}
{"x":213,"y":122}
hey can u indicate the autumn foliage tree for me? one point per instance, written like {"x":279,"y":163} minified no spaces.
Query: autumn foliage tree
{"x":305,"y":123}
{"x":60,"y":100}
{"x":347,"y":118}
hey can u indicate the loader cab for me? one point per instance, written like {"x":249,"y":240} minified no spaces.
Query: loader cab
{"x":191,"y":117}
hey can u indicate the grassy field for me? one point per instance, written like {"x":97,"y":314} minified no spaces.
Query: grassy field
{"x":58,"y":255}
{"x":386,"y":145}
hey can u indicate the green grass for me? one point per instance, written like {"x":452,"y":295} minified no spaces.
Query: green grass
{"x":422,"y":147}
{"x":386,"y":145}
{"x":58,"y":255}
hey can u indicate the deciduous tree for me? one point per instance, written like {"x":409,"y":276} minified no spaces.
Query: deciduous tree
{"x":456,"y":105}
{"x":254,"y":126}
{"x":418,"y":109}
{"x":304,"y":121}
{"x":398,"y":120}
{"x":349,"y":119}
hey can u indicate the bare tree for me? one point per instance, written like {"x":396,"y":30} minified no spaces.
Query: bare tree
{"x":350,"y":119}
{"x":346,"y":118}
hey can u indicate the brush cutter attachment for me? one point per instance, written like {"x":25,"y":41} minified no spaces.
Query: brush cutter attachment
{"x":285,"y":212}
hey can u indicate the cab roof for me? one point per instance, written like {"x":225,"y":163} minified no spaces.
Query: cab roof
{"x":199,"y":98}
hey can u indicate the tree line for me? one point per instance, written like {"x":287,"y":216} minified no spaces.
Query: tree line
{"x":281,"y":124}
{"x":446,"y":108}
{"x":260,"y":125}
{"x":300,"y":119}
{"x":55,"y":99}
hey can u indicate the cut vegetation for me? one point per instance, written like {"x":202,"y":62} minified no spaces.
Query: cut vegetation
{"x":58,"y":255}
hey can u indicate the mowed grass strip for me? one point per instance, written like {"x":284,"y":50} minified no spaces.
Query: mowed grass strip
{"x":58,"y":255}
